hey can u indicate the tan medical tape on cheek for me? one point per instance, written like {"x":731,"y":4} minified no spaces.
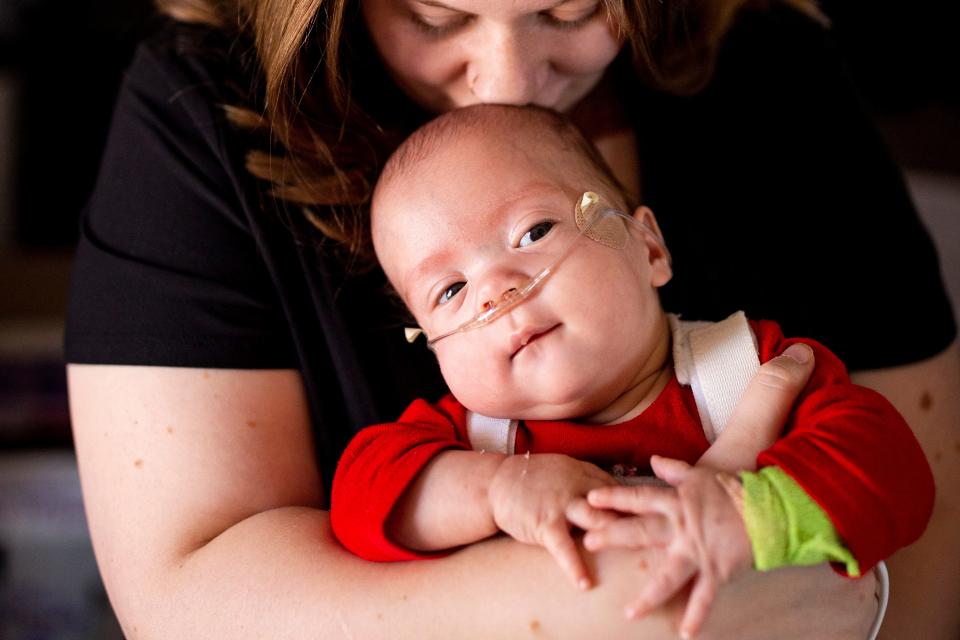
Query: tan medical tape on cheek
{"x":610,"y":232}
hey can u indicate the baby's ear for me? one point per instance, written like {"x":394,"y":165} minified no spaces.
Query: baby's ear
{"x":658,"y":254}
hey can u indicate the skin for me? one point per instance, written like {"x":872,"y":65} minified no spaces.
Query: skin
{"x":477,"y":216}
{"x":923,"y":576}
{"x":462,"y":52}
{"x":924,"y":573}
{"x":220,"y":532}
{"x":214,"y":535}
{"x":547,"y":358}
{"x":705,"y":539}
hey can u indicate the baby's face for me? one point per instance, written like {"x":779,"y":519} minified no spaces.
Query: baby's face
{"x":480,"y":217}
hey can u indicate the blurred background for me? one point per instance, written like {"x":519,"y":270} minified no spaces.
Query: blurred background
{"x":60,"y":64}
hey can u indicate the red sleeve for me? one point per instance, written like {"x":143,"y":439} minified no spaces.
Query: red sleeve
{"x":854,"y":454}
{"x":377,"y":467}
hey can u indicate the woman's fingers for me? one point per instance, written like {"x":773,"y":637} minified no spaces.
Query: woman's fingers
{"x":559,"y":543}
{"x":630,"y":533}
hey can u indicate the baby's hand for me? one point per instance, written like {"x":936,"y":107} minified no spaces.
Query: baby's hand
{"x":697,"y":520}
{"x":535,"y":498}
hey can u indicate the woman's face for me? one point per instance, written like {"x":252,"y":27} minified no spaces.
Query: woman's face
{"x":453,"y":53}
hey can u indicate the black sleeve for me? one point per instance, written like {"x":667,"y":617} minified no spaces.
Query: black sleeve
{"x":167,"y":271}
{"x":777,"y":196}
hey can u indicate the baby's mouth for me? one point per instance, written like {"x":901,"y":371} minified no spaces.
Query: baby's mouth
{"x":520,"y":339}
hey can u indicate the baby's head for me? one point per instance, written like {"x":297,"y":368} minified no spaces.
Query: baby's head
{"x":477,"y":202}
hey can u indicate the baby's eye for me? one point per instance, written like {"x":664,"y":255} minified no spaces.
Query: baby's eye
{"x":450,"y":292}
{"x":536,"y":232}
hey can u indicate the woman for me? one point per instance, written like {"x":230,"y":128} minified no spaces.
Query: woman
{"x":225,"y":340}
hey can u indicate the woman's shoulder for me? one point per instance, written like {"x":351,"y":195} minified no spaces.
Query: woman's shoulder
{"x":775,"y":49}
{"x":190,"y":66}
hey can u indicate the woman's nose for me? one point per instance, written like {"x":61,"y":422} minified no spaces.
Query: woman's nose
{"x":504,"y":69}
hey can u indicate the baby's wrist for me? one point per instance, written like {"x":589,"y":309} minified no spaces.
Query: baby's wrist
{"x":733,"y":486}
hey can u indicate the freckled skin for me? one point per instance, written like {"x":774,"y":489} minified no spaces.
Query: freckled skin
{"x":535,"y":626}
{"x":252,"y":424}
{"x":926,"y":401}
{"x":138,"y":463}
{"x":170,"y":430}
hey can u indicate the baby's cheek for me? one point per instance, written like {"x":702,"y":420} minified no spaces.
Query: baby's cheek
{"x":479,"y":385}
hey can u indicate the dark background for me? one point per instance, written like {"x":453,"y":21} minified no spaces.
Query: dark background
{"x":60,"y":64}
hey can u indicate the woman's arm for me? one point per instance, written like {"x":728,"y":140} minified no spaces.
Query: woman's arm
{"x":203,"y":501}
{"x":925,"y":587}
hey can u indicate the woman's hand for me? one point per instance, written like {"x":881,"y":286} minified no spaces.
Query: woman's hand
{"x":535,"y":498}
{"x":698,"y":523}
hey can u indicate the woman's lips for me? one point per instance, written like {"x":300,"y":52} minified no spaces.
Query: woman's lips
{"x":520,"y":339}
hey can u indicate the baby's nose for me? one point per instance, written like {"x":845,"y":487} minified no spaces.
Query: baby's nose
{"x":504,"y":298}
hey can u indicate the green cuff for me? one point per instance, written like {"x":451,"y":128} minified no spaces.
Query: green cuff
{"x":786,"y":527}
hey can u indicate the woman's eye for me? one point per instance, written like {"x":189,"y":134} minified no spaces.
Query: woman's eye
{"x":536,"y":233}
{"x":450,"y":292}
{"x":439,"y":25}
{"x":571,"y":17}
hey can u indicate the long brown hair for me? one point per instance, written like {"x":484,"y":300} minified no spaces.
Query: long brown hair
{"x":325,"y":151}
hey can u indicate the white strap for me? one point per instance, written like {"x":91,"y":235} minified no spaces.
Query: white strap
{"x":498,"y":435}
{"x":717,"y":360}
{"x":883,"y":597}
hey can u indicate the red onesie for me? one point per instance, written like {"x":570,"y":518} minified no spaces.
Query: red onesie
{"x":845,"y":445}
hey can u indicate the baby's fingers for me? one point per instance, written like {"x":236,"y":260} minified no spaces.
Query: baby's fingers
{"x":670,"y":470}
{"x":666,"y":580}
{"x":636,"y":499}
{"x":581,"y":514}
{"x":630,"y":533}
{"x":698,"y":606}
{"x":559,"y":543}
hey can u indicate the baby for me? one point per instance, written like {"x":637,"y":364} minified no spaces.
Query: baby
{"x":541,"y":313}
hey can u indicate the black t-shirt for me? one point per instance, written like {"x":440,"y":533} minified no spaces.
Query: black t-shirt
{"x":771,"y":187}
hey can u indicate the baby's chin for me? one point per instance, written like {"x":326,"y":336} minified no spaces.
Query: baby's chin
{"x":527,"y":409}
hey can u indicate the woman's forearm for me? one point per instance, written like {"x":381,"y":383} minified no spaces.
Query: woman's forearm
{"x":280,"y":575}
{"x":190,"y":481}
{"x":925,"y":588}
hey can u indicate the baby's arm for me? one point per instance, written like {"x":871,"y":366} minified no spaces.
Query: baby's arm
{"x":384,"y":502}
{"x":447,"y":504}
{"x":835,"y":488}
{"x":462,"y":497}
{"x":407,"y":489}
{"x":757,"y":422}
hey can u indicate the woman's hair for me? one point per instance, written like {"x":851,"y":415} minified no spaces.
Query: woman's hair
{"x":326,"y":144}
